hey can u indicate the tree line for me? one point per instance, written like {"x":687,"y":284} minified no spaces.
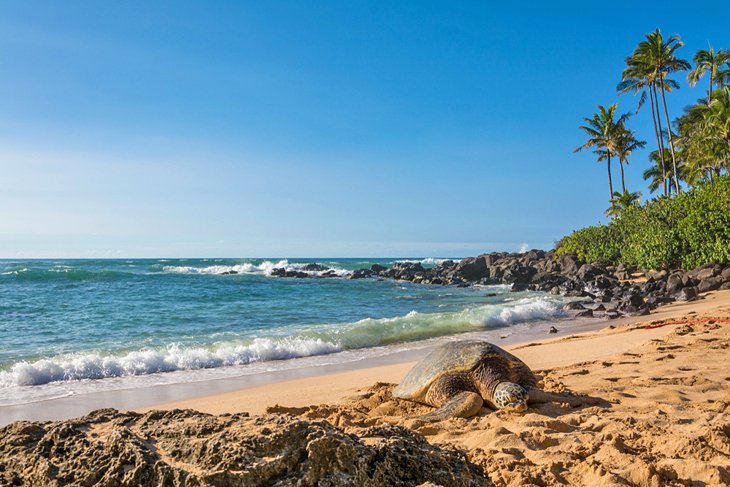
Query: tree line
{"x":692,"y":148}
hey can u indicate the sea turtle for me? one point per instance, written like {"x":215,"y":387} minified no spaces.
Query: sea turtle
{"x":458,"y":377}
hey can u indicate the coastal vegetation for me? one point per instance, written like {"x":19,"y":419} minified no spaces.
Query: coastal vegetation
{"x":687,"y":230}
{"x":688,"y":224}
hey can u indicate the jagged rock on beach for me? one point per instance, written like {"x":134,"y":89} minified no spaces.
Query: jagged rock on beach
{"x":184,"y":447}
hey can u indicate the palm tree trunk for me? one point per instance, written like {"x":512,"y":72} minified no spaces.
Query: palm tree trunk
{"x":658,"y":134}
{"x":671,"y":142}
{"x":709,"y":93}
{"x":610,"y":182}
{"x":623,"y":184}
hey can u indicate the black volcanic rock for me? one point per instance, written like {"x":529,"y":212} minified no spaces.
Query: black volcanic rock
{"x":545,"y":271}
{"x":589,"y":271}
{"x":314,"y":267}
{"x":709,"y":284}
{"x":361,"y":273}
{"x":687,"y":294}
{"x":675,"y":282}
{"x":569,"y":264}
{"x":472,"y":269}
{"x":518,"y":274}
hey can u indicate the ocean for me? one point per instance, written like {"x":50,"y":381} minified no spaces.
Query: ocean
{"x":73,"y":326}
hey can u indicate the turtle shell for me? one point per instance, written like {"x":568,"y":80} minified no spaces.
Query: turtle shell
{"x":460,"y":356}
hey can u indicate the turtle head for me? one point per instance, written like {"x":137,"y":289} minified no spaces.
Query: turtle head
{"x":510,"y":396}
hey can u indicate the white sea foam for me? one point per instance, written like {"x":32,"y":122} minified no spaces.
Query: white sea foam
{"x":266,"y":268}
{"x":426,"y":261}
{"x":415,"y":326}
{"x":99,"y":366}
{"x":312,"y":341}
{"x":15,"y":272}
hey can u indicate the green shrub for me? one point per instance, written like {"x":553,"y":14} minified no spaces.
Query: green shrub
{"x":705,"y":231}
{"x":687,"y":231}
{"x":592,"y":244}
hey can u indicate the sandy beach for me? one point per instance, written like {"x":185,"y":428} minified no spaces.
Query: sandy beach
{"x":539,"y":355}
{"x":656,"y":412}
{"x":460,"y":244}
{"x":663,"y":415}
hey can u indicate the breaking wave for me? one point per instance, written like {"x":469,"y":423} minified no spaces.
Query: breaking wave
{"x":427,"y":261}
{"x":98,"y":366}
{"x":315,"y":340}
{"x":265,"y":268}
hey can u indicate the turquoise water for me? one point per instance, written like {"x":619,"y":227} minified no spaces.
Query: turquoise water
{"x":81,"y":320}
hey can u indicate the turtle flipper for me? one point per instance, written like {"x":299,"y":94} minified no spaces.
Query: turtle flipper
{"x":463,"y":405}
{"x":536,"y":395}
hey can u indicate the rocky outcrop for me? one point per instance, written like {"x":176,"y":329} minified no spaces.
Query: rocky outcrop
{"x":183,"y":447}
{"x":308,"y":270}
{"x":610,"y":288}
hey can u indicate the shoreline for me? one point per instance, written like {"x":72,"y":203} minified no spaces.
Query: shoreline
{"x":602,"y":340}
{"x":655,"y":412}
{"x":605,"y":294}
{"x":150,"y":390}
{"x":295,"y":385}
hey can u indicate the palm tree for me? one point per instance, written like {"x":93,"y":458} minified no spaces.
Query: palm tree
{"x":719,"y":113}
{"x":723,"y":77}
{"x":657,"y":176}
{"x":709,"y":61}
{"x":667,"y":62}
{"x":705,"y":136}
{"x":636,"y":78}
{"x":626,"y":144}
{"x":621,"y":201}
{"x":653,"y":60}
{"x":603,"y":131}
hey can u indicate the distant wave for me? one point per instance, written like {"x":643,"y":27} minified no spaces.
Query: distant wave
{"x":15,"y":272}
{"x":316,"y":340}
{"x":63,"y":273}
{"x":427,"y":261}
{"x":266,"y":268}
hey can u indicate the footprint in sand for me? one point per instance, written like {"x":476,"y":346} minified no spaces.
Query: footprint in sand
{"x":579,"y":372}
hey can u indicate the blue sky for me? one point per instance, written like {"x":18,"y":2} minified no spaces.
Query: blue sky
{"x":132,"y":129}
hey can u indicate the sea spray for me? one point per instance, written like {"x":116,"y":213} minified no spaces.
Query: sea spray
{"x":265,"y":268}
